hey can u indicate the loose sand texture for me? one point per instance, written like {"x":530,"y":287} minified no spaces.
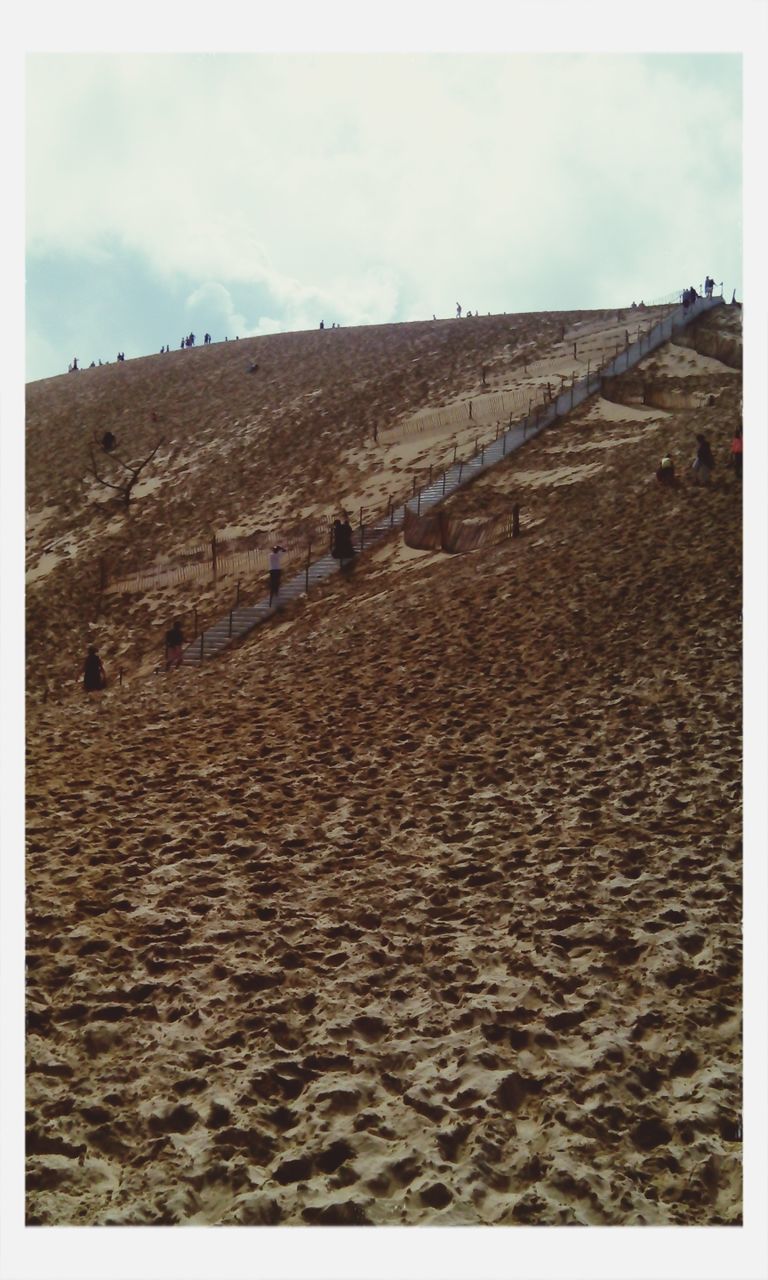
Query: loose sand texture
{"x":421,"y":906}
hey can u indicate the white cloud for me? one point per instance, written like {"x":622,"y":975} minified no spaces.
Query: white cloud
{"x":361,"y":184}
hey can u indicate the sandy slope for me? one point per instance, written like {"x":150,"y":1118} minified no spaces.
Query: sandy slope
{"x":273,"y":451}
{"x":423,"y":905}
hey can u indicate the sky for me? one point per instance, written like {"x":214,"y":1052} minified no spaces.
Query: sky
{"x":250,"y":193}
{"x":244,"y":169}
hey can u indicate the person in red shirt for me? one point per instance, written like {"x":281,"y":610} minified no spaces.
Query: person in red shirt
{"x":737,"y":450}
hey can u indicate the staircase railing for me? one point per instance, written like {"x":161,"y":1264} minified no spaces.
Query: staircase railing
{"x":488,"y":453}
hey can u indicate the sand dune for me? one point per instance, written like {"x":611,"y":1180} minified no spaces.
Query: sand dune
{"x":423,"y":905}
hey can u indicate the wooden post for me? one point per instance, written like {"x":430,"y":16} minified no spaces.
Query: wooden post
{"x":237,"y":596}
{"x":482,"y":456}
{"x":306,"y":573}
{"x":230,"y":622}
{"x":120,"y":676}
{"x":444,"y":477}
{"x":418,"y":504}
{"x":413,"y":489}
{"x":454,"y":453}
{"x":516,"y":520}
{"x":574,"y":351}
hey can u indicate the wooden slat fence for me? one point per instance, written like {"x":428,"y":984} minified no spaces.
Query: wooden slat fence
{"x":231,"y":557}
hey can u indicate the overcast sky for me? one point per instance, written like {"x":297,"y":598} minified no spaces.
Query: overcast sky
{"x":249,"y":193}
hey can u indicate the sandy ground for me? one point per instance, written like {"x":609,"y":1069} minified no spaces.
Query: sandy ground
{"x":423,"y":905}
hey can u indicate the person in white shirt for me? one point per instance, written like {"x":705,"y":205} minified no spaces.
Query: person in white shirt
{"x":275,"y":571}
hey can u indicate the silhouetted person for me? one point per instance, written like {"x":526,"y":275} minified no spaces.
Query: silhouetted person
{"x":335,"y":539}
{"x":458,"y":310}
{"x":174,"y":646}
{"x":108,"y":442}
{"x":275,"y":571}
{"x":344,"y":545}
{"x":94,"y":676}
{"x":703,"y":463}
{"x":322,"y":324}
{"x":665,"y":472}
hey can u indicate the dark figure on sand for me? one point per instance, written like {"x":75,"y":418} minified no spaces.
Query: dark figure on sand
{"x":94,"y":675}
{"x":345,"y":551}
{"x":275,"y":571}
{"x":703,"y":463}
{"x":335,"y":538}
{"x":665,"y":472}
{"x":174,"y":646}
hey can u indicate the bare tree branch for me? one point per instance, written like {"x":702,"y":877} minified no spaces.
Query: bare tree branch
{"x":133,"y":468}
